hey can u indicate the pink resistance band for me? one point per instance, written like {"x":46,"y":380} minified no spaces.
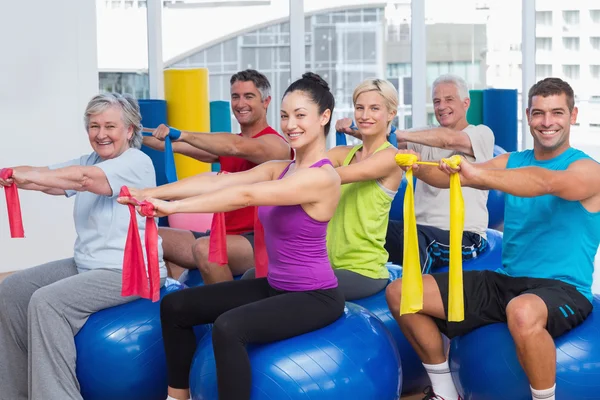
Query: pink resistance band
{"x":135,"y":280}
{"x":217,"y":250}
{"x":13,"y":206}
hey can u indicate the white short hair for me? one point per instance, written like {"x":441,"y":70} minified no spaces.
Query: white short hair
{"x":461,"y":85}
{"x":130,"y":111}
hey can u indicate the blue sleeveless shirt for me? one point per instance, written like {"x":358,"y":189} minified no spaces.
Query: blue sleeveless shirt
{"x":546,"y":236}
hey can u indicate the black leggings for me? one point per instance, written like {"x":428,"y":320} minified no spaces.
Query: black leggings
{"x":245,"y":311}
{"x":353,"y":285}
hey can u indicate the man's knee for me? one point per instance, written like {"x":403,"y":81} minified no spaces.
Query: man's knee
{"x":200,"y":249}
{"x":526,"y":314}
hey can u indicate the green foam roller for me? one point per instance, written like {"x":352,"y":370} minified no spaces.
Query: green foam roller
{"x":475,"y":112}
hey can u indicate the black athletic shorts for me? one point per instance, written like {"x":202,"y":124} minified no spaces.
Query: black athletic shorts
{"x":248,"y":235}
{"x":487,"y":293}
{"x":434,"y":245}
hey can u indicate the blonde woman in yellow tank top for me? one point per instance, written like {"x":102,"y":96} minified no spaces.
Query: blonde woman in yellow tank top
{"x":370,"y":180}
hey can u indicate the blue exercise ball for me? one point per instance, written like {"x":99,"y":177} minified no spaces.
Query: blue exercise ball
{"x":194,"y":278}
{"x":490,"y":259}
{"x":353,"y":358}
{"x":120,"y":352}
{"x":484,"y":363}
{"x":414,"y":376}
{"x":495,"y":201}
{"x":397,"y":208}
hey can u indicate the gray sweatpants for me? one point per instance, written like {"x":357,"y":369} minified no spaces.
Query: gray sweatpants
{"x":41,"y":310}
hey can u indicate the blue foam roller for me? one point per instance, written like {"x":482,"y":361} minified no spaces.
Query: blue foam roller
{"x":220,"y":121}
{"x":495,"y":201}
{"x":500,"y":115}
{"x":397,"y":207}
{"x":154,"y":113}
{"x":484,"y":363}
{"x":353,"y":358}
{"x":120,"y":352}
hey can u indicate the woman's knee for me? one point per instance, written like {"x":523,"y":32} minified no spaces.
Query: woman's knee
{"x":14,"y":290}
{"x":226,"y":329}
{"x":172,"y":306}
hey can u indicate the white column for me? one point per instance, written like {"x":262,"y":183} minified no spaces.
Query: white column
{"x":155,"y":58}
{"x":419,"y":63}
{"x":528,"y":65}
{"x":297,"y":56}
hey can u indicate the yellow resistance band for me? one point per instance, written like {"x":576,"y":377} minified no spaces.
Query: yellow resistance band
{"x":412,"y":280}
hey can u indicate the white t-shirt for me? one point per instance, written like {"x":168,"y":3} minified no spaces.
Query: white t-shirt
{"x":432,"y":205}
{"x":100,"y":222}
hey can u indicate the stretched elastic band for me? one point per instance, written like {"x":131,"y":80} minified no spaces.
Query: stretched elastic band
{"x":136,"y":281}
{"x":13,"y":205}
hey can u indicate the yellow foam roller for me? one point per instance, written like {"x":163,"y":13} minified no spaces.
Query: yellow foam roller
{"x":188,"y":109}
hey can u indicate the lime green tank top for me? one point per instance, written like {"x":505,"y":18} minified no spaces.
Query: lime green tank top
{"x":356,"y":233}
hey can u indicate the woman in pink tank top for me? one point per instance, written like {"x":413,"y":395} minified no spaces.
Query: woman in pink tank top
{"x":300,"y":294}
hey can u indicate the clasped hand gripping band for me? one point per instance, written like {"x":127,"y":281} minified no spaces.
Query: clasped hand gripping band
{"x":13,"y":205}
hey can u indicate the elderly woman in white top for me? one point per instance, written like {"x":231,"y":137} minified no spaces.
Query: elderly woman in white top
{"x":43,"y":308}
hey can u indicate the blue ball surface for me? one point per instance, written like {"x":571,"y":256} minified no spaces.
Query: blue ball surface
{"x":353,"y":358}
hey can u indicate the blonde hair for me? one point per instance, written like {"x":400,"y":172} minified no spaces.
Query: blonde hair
{"x":384,"y":88}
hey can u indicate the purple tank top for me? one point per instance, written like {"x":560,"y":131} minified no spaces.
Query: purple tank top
{"x":297,"y":248}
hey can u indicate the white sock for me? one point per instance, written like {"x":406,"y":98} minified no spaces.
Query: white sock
{"x":172,"y":398}
{"x":441,"y":380}
{"x":544,"y":394}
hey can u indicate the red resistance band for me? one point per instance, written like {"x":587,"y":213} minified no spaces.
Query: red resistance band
{"x":13,"y":205}
{"x":135,"y":280}
{"x":217,"y":251}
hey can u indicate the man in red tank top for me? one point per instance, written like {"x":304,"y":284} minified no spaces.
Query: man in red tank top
{"x":257,"y":143}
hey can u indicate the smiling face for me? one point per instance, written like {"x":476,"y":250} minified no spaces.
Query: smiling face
{"x":371,"y":114}
{"x":246,"y":103}
{"x":301,"y":121}
{"x":550,"y":124}
{"x":450,"y":109}
{"x":108,"y":134}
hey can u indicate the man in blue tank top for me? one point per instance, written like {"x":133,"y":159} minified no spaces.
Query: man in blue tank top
{"x":551,"y":235}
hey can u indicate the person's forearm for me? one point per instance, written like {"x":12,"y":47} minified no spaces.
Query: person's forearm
{"x":30,"y":185}
{"x":432,"y":176}
{"x":436,"y":137}
{"x":68,"y":178}
{"x":221,"y":144}
{"x":189,"y":187}
{"x":223,"y":200}
{"x":154,"y":143}
{"x":521,"y":182}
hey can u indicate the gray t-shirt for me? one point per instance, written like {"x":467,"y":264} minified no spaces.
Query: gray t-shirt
{"x":432,"y":205}
{"x":101,"y":223}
